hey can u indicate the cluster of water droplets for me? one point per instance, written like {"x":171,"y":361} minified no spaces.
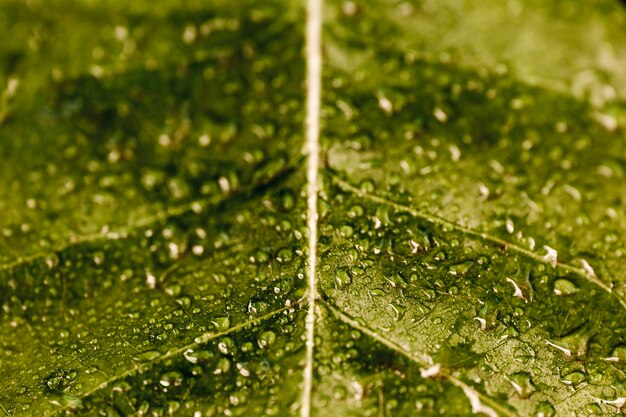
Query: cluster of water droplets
{"x":522,"y":326}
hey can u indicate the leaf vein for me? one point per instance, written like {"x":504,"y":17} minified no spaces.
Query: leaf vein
{"x":509,"y":246}
{"x":312,"y":150}
{"x":198,"y":341}
{"x":157,"y":217}
{"x":420,"y":359}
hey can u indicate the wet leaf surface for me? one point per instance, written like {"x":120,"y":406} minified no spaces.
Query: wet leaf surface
{"x":471,"y":209}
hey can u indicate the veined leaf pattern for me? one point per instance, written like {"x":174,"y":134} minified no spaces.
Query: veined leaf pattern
{"x":159,"y":198}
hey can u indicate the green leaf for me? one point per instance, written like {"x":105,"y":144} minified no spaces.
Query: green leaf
{"x":154,"y":257}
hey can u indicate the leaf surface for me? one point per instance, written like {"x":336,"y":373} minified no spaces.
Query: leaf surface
{"x":470,"y":224}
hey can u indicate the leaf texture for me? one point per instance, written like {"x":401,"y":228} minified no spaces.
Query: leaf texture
{"x":471,"y":222}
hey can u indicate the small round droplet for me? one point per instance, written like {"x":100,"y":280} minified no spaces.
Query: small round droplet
{"x":618,"y":354}
{"x":266,"y":339}
{"x":574,"y":378}
{"x":342,"y":278}
{"x":564,"y":287}
{"x":545,"y":409}
{"x":171,"y":379}
{"x":284,"y":255}
{"x":147,"y":356}
{"x":222,"y":367}
{"x":522,"y":383}
{"x":221,"y":323}
{"x":60,"y":381}
{"x":355,"y":211}
{"x":367,"y":186}
{"x":194,"y":356}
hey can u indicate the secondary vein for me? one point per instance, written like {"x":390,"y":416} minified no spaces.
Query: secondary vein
{"x":581,"y":272}
{"x":312,"y":150}
{"x":202,"y":339}
{"x":123,"y":232}
{"x":480,"y":402}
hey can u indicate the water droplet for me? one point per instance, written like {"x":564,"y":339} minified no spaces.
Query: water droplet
{"x":397,"y":310}
{"x":518,"y":291}
{"x":226,"y":345}
{"x":243,"y":371}
{"x":67,"y":401}
{"x":593,"y":409}
{"x":618,"y":354}
{"x":147,"y":356}
{"x":564,"y":287}
{"x":346,"y":231}
{"x":204,"y":140}
{"x":184,"y":301}
{"x":60,"y":381}
{"x":173,"y":290}
{"x":52,"y":260}
{"x":284,"y":255}
{"x":355,"y":211}
{"x":221,"y":323}
{"x":574,"y":378}
{"x":171,"y":379}
{"x":545,"y":409}
{"x":342,"y":278}
{"x":460,"y":269}
{"x":172,"y":407}
{"x":150,"y":279}
{"x":288,"y":201}
{"x":522,"y":383}
{"x":385,"y":104}
{"x":425,"y":403}
{"x":266,"y":339}
{"x":194,"y":356}
{"x":440,"y":115}
{"x":367,"y":186}
{"x":574,"y":344}
{"x":396,"y":281}
{"x":222,"y":367}
{"x":203,"y":338}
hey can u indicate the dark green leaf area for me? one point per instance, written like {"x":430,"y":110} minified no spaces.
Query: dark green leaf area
{"x":243,"y":372}
{"x":137,"y":306}
{"x":520,"y":330}
{"x":358,"y":375}
{"x":119,"y":147}
{"x":454,"y":144}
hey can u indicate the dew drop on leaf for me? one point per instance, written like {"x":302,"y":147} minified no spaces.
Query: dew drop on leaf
{"x":545,"y":409}
{"x":222,"y":367}
{"x":60,"y":381}
{"x":266,"y":339}
{"x":147,"y":356}
{"x":574,"y":378}
{"x":564,"y":287}
{"x":221,"y":324}
{"x":522,"y":383}
{"x":284,"y":255}
{"x":618,"y":354}
{"x":171,"y":379}
{"x":342,"y":278}
{"x":367,"y":186}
